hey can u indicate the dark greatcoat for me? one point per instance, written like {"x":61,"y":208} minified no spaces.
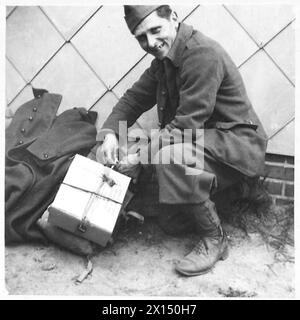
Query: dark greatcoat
{"x":39,"y":150}
{"x":197,"y":86}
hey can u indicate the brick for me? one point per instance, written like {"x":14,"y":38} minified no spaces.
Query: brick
{"x":289,"y":174}
{"x":289,"y":190}
{"x":275,"y":171}
{"x":271,"y":157}
{"x":274,"y":187}
{"x":290,"y":160}
{"x":284,"y":201}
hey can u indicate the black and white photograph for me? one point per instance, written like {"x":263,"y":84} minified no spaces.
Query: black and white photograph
{"x":149,"y":150}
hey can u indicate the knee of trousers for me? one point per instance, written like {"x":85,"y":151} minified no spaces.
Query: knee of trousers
{"x":179,"y":182}
{"x":182,"y":154}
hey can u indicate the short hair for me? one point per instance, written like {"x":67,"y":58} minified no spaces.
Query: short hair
{"x":164,"y":12}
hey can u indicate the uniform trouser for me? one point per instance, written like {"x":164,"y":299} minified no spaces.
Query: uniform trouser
{"x":184,"y":186}
{"x":189,"y":177}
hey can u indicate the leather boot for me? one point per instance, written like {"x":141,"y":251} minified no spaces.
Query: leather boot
{"x":174,"y":221}
{"x":213,"y":245}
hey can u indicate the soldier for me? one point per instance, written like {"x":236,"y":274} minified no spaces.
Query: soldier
{"x":196,"y":86}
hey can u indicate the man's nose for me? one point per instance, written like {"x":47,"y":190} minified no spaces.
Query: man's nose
{"x":151,"y":40}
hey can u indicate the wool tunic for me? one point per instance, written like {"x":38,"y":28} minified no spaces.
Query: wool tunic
{"x":197,"y":86}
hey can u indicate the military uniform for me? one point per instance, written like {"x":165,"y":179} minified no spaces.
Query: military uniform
{"x":197,"y":86}
{"x":39,"y":150}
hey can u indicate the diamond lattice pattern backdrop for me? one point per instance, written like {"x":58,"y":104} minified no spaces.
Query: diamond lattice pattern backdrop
{"x":88,"y":55}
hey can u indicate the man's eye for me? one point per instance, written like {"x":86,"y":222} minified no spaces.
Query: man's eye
{"x":155,"y":30}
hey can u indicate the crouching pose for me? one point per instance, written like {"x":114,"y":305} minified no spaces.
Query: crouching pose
{"x":198,"y":90}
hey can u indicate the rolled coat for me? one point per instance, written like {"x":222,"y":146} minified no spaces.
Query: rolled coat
{"x":39,"y":149}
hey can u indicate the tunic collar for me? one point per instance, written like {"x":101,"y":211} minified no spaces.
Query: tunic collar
{"x":183,"y":34}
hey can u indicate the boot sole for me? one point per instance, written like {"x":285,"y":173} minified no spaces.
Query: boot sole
{"x":223,"y":257}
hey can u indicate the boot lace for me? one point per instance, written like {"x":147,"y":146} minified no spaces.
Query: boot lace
{"x":200,"y":248}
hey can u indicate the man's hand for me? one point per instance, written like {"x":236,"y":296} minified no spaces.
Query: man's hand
{"x":108,"y":152}
{"x":130,"y":166}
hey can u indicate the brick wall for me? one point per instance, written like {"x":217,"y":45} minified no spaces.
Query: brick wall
{"x":280,"y":178}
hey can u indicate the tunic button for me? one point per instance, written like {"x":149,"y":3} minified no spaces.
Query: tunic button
{"x":23,"y":130}
{"x":21,"y":142}
{"x":30,"y":118}
{"x":34,"y":109}
{"x":163,"y":92}
{"x":161,"y":108}
{"x":46,"y":155}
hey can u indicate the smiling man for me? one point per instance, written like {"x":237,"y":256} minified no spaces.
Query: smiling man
{"x":196,"y":87}
{"x":156,"y":35}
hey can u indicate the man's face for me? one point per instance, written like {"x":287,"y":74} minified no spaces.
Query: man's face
{"x":156,"y":35}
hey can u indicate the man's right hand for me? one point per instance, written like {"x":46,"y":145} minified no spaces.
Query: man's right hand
{"x":109,"y":149}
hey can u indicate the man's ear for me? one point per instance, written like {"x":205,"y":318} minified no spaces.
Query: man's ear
{"x":174,"y":16}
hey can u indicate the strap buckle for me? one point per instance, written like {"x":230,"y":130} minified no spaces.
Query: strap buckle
{"x":82,"y":227}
